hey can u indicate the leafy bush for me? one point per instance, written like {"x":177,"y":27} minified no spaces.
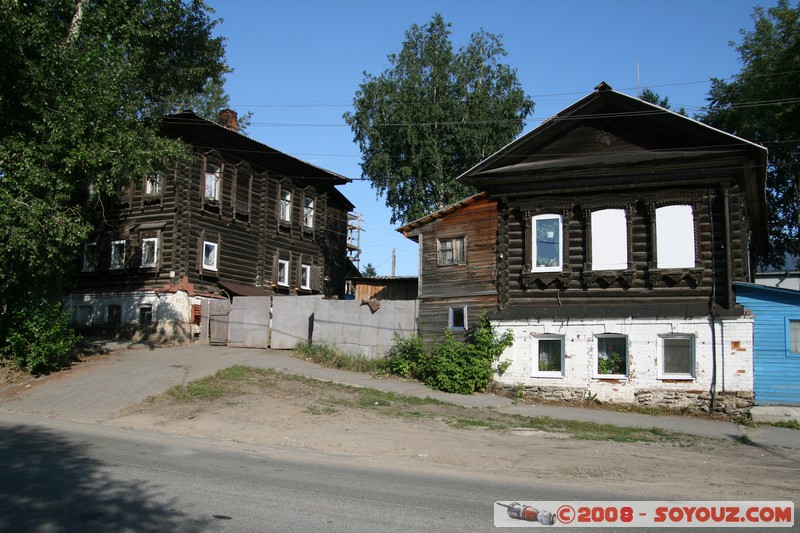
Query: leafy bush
{"x":450,"y":365}
{"x":406,"y":356}
{"x":39,"y":339}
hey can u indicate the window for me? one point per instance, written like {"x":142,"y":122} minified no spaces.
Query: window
{"x":675,"y":246}
{"x":794,"y":336}
{"x":550,"y":356}
{"x":152,"y":184}
{"x":452,"y":251}
{"x":609,"y":239}
{"x":308,"y":212}
{"x":286,"y":206}
{"x":149,"y":252}
{"x":212,"y":183}
{"x":114,"y":315}
{"x":283,"y":273}
{"x":305,"y":277}
{"x":547,"y":249}
{"x":458,"y":318}
{"x":677,"y":357}
{"x":145,"y":314}
{"x":90,"y":257}
{"x":612,"y":355}
{"x":117,"y":255}
{"x":83,"y":316}
{"x":210,"y":255}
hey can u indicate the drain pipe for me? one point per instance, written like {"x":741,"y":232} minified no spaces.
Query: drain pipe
{"x":713,"y":306}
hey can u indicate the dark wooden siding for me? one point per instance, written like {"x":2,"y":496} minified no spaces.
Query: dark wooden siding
{"x":250,"y":238}
{"x":471,"y":284}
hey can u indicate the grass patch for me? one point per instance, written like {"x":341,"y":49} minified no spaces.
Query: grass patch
{"x":332,"y":357}
{"x":327,"y":399}
{"x":791,"y":424}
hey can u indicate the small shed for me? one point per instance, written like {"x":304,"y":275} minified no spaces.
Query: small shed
{"x":385,"y":287}
{"x":776,"y":342}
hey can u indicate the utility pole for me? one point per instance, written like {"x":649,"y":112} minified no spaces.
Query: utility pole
{"x":394,"y":262}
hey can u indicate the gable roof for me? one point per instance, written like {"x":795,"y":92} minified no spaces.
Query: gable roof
{"x":611,"y":131}
{"x":414,"y":224}
{"x":208,"y":135}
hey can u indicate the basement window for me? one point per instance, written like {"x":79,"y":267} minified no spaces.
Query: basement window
{"x":677,"y":357}
{"x":612,"y":356}
{"x":549,"y":350}
{"x":145,"y":314}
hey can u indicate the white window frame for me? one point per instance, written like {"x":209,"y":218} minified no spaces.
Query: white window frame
{"x":308,"y":211}
{"x":535,"y":371}
{"x":609,"y":239}
{"x":212,"y":183}
{"x":117,"y":262}
{"x":154,"y":262}
{"x":792,"y":349}
{"x":597,"y":357}
{"x":285,"y":199}
{"x":558,"y":235}
{"x":452,"y":247}
{"x":89,"y":257}
{"x":283,"y":273}
{"x":662,"y":359}
{"x":675,"y":236}
{"x":305,"y":277}
{"x":451,"y":314}
{"x":153,"y":183}
{"x":214,"y":263}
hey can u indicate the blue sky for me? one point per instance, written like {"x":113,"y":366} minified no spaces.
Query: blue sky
{"x":297,"y":66}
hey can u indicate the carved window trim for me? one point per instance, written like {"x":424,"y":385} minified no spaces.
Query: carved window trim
{"x":692,"y":275}
{"x":541,"y":279}
{"x":608,"y":276}
{"x":213,"y":200}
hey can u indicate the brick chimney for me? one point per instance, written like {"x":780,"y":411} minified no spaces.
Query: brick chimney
{"x":229,"y":119}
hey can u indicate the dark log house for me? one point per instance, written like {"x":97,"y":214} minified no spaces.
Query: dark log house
{"x":607,"y":240}
{"x":240,"y":219}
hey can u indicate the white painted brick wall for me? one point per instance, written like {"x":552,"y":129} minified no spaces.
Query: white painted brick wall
{"x":734,"y":343}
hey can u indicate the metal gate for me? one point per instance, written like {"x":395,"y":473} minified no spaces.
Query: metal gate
{"x":218,"y":315}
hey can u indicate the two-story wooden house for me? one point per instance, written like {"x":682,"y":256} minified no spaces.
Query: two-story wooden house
{"x":607,"y":240}
{"x":240,"y":218}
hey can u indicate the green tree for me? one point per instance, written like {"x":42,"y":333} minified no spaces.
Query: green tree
{"x":761,"y":104}
{"x":432,"y":115}
{"x":648,"y":95}
{"x":81,"y":90}
{"x":208,"y":103}
{"x":369,"y":271}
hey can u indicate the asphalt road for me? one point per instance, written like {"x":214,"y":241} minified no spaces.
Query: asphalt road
{"x":66,"y":476}
{"x":63,"y":476}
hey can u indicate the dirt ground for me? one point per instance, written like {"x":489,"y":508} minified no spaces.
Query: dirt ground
{"x":303,"y":414}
